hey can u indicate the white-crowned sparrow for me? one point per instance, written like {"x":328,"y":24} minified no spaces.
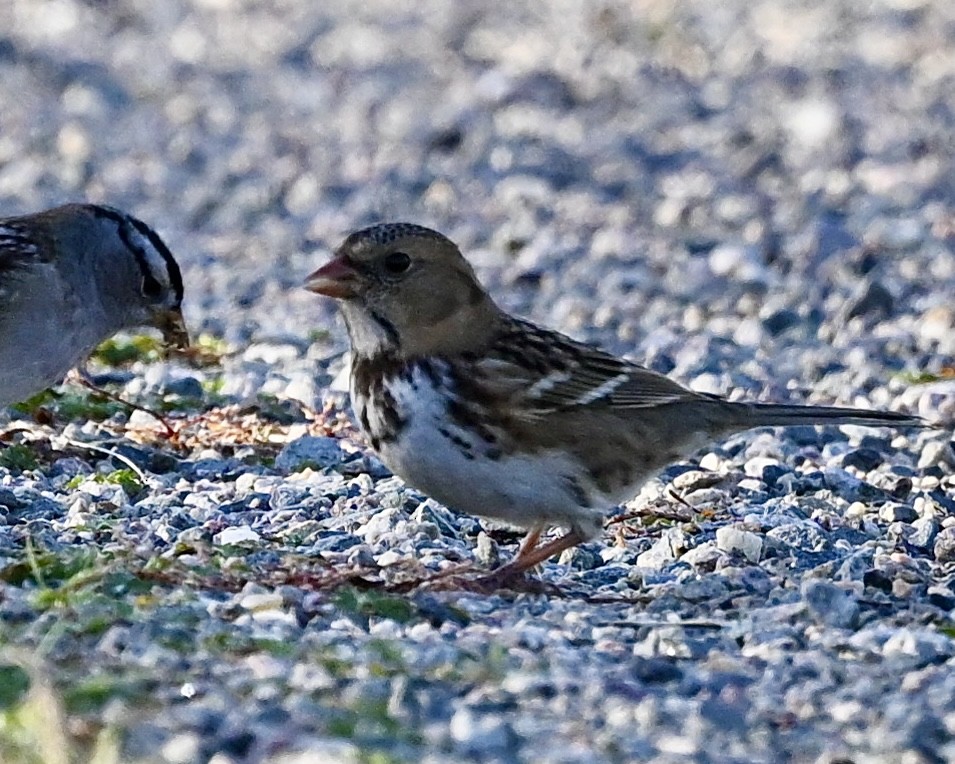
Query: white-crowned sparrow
{"x":69,"y":278}
{"x":494,"y":416}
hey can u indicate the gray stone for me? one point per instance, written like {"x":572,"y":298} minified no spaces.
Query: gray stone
{"x":486,"y":551}
{"x":897,"y":513}
{"x":704,"y":556}
{"x":937,"y":452}
{"x":874,"y":300}
{"x":309,"y":451}
{"x":830,"y":604}
{"x":480,"y":734}
{"x":664,"y":551}
{"x":746,"y":543}
{"x":925,"y":531}
{"x":944,"y":548}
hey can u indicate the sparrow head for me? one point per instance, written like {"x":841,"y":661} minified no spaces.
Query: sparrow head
{"x":159,"y":291}
{"x":407,"y":289}
{"x":134,"y":276}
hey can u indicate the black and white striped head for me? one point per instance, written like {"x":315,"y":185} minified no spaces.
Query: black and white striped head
{"x":130,"y":269}
{"x":160,"y":280}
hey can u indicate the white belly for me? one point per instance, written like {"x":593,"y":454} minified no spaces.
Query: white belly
{"x":451,"y":464}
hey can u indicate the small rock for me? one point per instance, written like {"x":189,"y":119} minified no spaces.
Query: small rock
{"x":389,"y":557}
{"x":741,"y":262}
{"x":696,"y":479}
{"x":925,"y":531}
{"x":703,"y":497}
{"x":945,"y":545}
{"x":898,"y":235}
{"x":863,"y":459}
{"x":482,"y":735}
{"x":580,"y":558}
{"x":260,"y":600}
{"x":309,"y":451}
{"x":184,"y":387}
{"x":937,"y":453}
{"x":705,"y":556}
{"x":873,"y":300}
{"x":182,"y":748}
{"x":666,"y":549}
{"x":757,"y":466}
{"x":897,"y":513}
{"x":779,"y":321}
{"x":842,"y":483}
{"x":237,"y":534}
{"x":937,"y":323}
{"x":926,"y":646}
{"x":830,"y":604}
{"x":361,"y":557}
{"x":656,"y":670}
{"x":747,"y":543}
{"x":486,"y":551}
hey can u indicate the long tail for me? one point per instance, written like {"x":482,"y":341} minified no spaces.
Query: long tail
{"x":784,"y":415}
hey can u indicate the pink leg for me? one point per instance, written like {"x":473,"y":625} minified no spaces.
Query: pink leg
{"x":531,"y":554}
{"x":529,"y":542}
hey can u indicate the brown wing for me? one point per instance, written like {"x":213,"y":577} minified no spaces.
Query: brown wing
{"x":545,"y":371}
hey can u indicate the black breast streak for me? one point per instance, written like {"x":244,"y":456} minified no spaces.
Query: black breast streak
{"x":434,"y":376}
{"x":469,"y":408}
{"x":389,"y":328}
{"x":370,"y":378}
{"x":363,"y":419}
{"x":394,"y":422}
{"x":576,"y":490}
{"x":466,"y":449}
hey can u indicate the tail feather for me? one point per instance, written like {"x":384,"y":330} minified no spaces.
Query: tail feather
{"x":784,"y":415}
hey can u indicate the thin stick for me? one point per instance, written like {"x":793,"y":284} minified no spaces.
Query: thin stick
{"x":109,"y":452}
{"x":86,"y":382}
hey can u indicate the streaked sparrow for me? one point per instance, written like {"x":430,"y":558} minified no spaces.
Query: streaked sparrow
{"x":494,"y":416}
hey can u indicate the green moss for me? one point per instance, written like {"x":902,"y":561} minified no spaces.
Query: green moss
{"x":365,"y":604}
{"x":70,"y":405}
{"x":18,"y":458}
{"x":122,"y":351}
{"x":45,"y":569}
{"x":921,"y":377}
{"x":89,"y":694}
{"x":234,"y":643}
{"x":128,"y":480}
{"x":14,"y":685}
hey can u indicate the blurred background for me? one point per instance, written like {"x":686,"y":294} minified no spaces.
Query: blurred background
{"x":736,"y":178}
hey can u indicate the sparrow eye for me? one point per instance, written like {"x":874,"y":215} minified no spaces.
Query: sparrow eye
{"x":397,"y":263}
{"x":151,"y":288}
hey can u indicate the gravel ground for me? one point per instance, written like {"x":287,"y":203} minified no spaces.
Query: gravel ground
{"x":753,"y":196}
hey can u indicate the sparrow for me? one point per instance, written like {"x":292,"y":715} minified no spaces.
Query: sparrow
{"x":69,"y":278}
{"x":494,"y":416}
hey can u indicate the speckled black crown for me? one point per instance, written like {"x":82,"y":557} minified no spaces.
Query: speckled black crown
{"x":386,"y":233}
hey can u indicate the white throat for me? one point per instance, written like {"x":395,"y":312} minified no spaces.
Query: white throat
{"x":369,"y":335}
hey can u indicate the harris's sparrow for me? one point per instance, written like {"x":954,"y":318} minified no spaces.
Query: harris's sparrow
{"x":494,"y":416}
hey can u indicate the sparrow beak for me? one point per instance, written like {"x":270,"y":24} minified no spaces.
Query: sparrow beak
{"x":173,"y":327}
{"x":337,"y":278}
